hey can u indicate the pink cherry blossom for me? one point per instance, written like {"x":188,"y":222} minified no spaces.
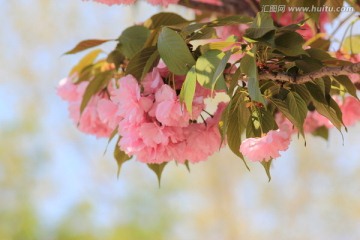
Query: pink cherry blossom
{"x":267,"y":147}
{"x":164,"y":3}
{"x":70,"y":92}
{"x":169,"y":111}
{"x":315,"y":120}
{"x":152,"y":81}
{"x":89,"y":121}
{"x":212,"y":2}
{"x":108,"y":113}
{"x":350,"y":108}
{"x":351,"y":111}
{"x":203,"y":139}
{"x":113,"y":2}
{"x":164,"y":133}
{"x":133,"y":105}
{"x":154,"y":125}
{"x":306,"y":31}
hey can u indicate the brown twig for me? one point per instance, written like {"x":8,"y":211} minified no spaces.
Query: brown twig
{"x":323,"y":72}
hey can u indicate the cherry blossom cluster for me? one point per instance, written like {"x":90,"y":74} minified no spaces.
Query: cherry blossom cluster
{"x":164,"y":3}
{"x":153,"y":124}
{"x":129,"y":2}
{"x":156,"y":127}
{"x":270,"y":145}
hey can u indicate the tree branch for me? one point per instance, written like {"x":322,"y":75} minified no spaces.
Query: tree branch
{"x":228,"y":7}
{"x":323,"y":72}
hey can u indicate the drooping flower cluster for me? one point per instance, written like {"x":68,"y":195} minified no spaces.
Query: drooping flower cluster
{"x":90,"y":120}
{"x":153,"y":124}
{"x":164,"y":3}
{"x":269,"y":146}
{"x":129,"y":2}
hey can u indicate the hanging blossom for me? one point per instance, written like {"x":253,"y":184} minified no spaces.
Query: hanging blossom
{"x":155,"y":125}
{"x":269,"y":146}
{"x":90,"y":120}
{"x":129,"y":2}
{"x":114,"y":2}
{"x":164,"y":3}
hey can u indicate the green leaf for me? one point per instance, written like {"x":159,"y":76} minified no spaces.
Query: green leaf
{"x":322,"y":132}
{"x":292,"y":27}
{"x":113,"y":134}
{"x":151,"y":63}
{"x":308,"y":64}
{"x":326,"y":106}
{"x":216,"y":46}
{"x":174,"y":52}
{"x":133,"y":39}
{"x":351,"y":44}
{"x":290,"y":44}
{"x":230,"y":20}
{"x":261,"y":25}
{"x":218,"y":78}
{"x":96,"y":85}
{"x":86,"y":44}
{"x":158,"y":170}
{"x":269,"y":89}
{"x":187,"y":165}
{"x":234,"y":123}
{"x":298,"y":110}
{"x":120,"y":156}
{"x":347,"y":84}
{"x":234,"y":81}
{"x":302,"y":91}
{"x":116,"y":57}
{"x":142,"y":62}
{"x":188,"y":89}
{"x":317,"y":42}
{"x":207,"y":33}
{"x":87,"y":60}
{"x":206,"y":66}
{"x":164,"y":19}
{"x":249,"y":68}
{"x":267,"y":166}
{"x":294,"y":108}
{"x":261,"y":121}
{"x":319,"y":54}
{"x":153,"y":38}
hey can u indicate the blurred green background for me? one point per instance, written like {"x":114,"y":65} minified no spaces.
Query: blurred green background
{"x":55,"y":182}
